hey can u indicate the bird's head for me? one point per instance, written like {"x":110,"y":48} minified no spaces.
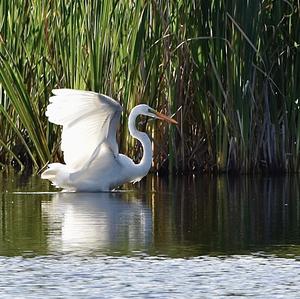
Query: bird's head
{"x":148,"y":111}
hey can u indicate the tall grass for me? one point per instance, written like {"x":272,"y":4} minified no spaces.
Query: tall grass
{"x":229,"y":68}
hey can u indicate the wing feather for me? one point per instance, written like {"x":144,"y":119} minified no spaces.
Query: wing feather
{"x":88,"y":119}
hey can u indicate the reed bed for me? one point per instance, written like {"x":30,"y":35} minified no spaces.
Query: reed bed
{"x":229,"y":69}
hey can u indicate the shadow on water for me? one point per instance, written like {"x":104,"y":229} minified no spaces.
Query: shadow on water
{"x":238,"y":215}
{"x":178,"y":217}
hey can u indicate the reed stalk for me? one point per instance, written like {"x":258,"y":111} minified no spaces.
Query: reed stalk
{"x":230,"y":68}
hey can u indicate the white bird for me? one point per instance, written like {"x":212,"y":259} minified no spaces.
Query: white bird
{"x":89,"y":144}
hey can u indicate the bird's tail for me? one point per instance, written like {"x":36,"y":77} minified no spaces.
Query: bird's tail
{"x":58,"y":174}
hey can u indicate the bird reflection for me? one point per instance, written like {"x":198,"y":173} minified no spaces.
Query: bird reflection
{"x":98,"y":221}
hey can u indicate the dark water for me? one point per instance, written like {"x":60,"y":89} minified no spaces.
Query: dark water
{"x":177,"y":238}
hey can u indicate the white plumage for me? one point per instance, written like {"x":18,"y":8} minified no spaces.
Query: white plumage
{"x":91,"y":153}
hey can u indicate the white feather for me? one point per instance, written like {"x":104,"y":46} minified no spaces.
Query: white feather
{"x":88,"y":119}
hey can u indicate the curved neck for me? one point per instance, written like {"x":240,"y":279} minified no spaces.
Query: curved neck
{"x":145,"y":164}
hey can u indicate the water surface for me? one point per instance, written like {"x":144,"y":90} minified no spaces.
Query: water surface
{"x":177,"y":238}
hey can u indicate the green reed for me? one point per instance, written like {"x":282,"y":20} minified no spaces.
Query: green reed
{"x":229,"y":68}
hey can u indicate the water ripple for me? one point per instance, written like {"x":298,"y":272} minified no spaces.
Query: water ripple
{"x":149,"y":277}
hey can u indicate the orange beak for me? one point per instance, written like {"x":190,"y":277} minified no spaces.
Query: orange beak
{"x":166,"y":118}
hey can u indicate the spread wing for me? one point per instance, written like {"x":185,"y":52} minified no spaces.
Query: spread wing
{"x":88,"y":120}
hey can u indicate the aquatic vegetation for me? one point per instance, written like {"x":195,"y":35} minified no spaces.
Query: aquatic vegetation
{"x":229,"y":69}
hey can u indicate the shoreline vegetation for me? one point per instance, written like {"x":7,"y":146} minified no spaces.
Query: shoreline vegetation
{"x":230,"y":70}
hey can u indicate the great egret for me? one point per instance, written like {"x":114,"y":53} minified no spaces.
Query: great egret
{"x":91,"y":153}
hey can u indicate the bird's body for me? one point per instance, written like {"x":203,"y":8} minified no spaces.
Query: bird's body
{"x":93,"y":162}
